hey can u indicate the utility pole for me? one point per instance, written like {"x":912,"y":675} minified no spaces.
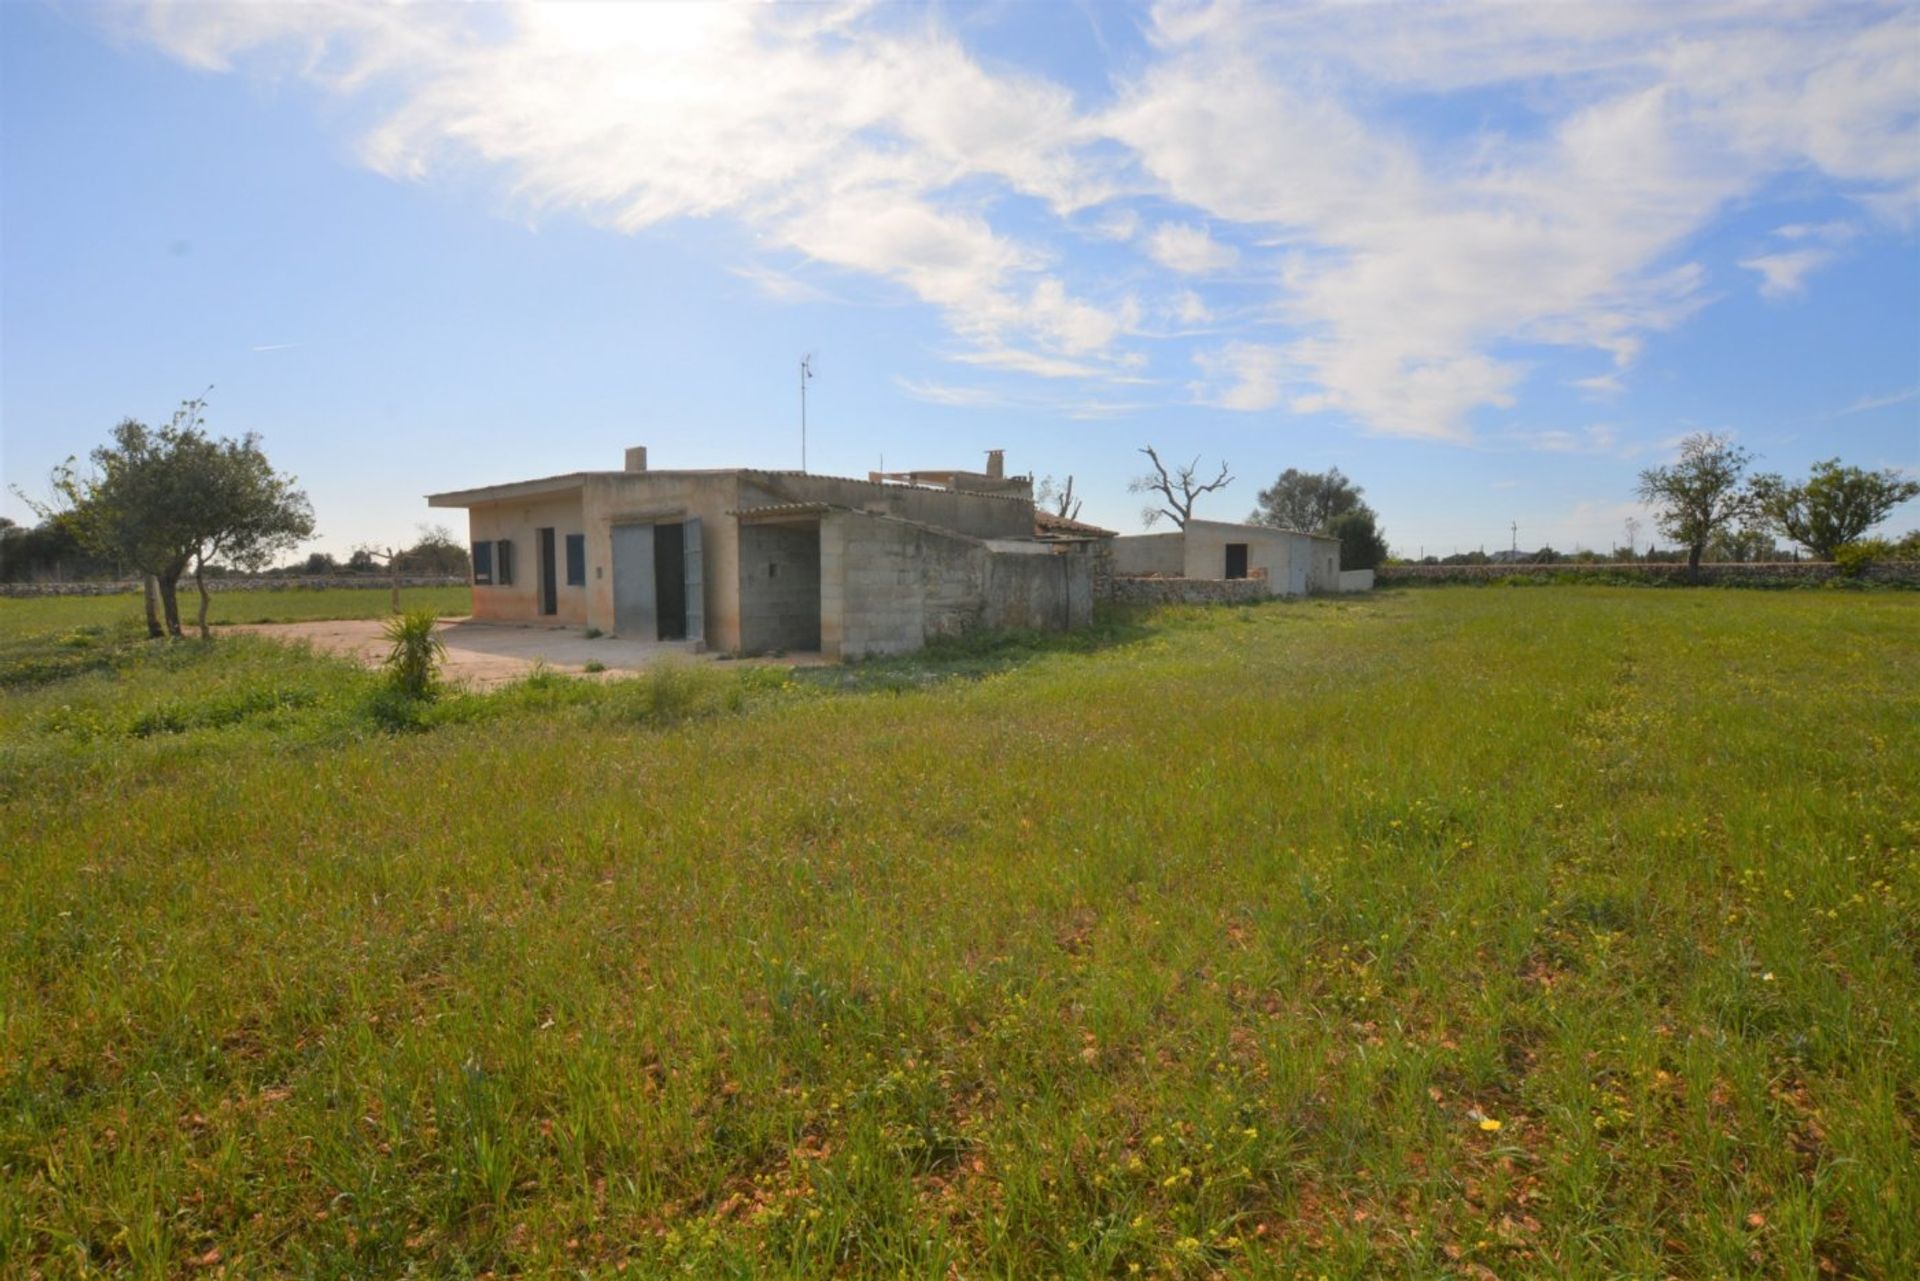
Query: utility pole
{"x":1516,"y":539}
{"x":806,"y":374}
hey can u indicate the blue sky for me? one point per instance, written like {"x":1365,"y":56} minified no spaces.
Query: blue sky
{"x":1489,"y":261}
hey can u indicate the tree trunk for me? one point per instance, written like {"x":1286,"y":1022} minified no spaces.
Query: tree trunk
{"x":169,"y":595}
{"x":393,"y":569}
{"x":152,"y":585}
{"x":1693,"y":562}
{"x":200,"y":581}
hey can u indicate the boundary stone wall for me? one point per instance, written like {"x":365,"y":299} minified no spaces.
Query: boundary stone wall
{"x":1184,"y":591}
{"x":1752,"y":574}
{"x":218,"y":585}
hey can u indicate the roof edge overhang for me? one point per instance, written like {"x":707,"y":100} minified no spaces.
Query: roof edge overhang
{"x":542,"y":488}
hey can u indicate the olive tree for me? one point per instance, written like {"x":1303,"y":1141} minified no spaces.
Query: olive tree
{"x":1834,"y":506}
{"x":1701,"y":493}
{"x":1307,"y":500}
{"x":172,"y":498}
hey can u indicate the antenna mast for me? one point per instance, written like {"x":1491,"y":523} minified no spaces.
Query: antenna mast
{"x":806,"y":374}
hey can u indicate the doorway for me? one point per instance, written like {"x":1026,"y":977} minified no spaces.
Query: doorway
{"x":1236,"y":560}
{"x":658,"y":586}
{"x":549,"y":583}
{"x":670,"y":581}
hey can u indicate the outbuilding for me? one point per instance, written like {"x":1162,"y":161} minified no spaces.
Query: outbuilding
{"x":1291,"y":561}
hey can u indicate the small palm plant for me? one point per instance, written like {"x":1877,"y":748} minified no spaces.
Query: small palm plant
{"x":413,"y":664}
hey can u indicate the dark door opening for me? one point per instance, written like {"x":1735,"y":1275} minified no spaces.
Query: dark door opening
{"x":549,"y":584}
{"x":670,"y":579}
{"x":1236,"y":560}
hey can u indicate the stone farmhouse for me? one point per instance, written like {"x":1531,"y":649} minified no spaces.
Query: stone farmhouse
{"x":750,"y":561}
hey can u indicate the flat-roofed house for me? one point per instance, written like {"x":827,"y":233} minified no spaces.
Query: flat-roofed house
{"x":1292,"y":562}
{"x":745,"y":560}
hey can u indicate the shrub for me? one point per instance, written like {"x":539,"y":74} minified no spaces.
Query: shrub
{"x":1851,"y":558}
{"x":413,"y":662}
{"x":595,"y":666}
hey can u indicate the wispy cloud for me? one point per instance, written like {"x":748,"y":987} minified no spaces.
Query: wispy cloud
{"x":1403,"y":275}
{"x":275,"y":346}
{"x":1868,"y":403}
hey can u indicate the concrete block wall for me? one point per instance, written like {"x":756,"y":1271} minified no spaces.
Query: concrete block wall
{"x":1137,"y":554}
{"x":779,"y":587}
{"x":1051,"y":590}
{"x":1355,"y":580}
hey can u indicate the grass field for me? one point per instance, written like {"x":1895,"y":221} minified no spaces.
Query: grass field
{"x":42,"y":614}
{"x":1569,"y":932}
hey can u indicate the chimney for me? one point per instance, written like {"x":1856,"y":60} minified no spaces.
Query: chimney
{"x":637,"y":458}
{"x":997,"y":463}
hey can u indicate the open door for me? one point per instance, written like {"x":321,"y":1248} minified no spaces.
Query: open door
{"x":696,"y":585}
{"x":549,"y":584}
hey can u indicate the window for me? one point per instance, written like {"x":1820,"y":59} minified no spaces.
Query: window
{"x":483,"y":564}
{"x":576,"y":560}
{"x":1236,"y":560}
{"x":503,"y":569}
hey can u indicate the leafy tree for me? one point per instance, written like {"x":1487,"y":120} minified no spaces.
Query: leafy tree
{"x":1307,"y":500}
{"x":1700,"y":493}
{"x":436,"y":552}
{"x":1743,"y":544}
{"x":1178,"y":489}
{"x":319,"y":564}
{"x":1363,"y":544}
{"x":166,"y":499}
{"x":1834,"y":506}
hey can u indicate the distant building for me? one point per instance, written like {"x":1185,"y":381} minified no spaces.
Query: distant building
{"x":747,"y":561}
{"x":1293,"y":563}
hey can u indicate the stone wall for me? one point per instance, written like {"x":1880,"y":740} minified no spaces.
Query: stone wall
{"x":1185,"y":591}
{"x":378,"y":582}
{"x":1762,"y":574}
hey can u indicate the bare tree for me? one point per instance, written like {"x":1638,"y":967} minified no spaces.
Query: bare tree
{"x":1059,"y":497}
{"x":1179,"y":489}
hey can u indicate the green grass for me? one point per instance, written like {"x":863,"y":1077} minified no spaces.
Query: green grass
{"x":288,"y":605}
{"x":1209,"y":942}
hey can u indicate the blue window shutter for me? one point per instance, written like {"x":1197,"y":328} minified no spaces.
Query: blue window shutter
{"x":576,"y":560}
{"x":483,"y":564}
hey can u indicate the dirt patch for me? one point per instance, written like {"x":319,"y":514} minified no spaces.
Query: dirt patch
{"x":485,"y":655}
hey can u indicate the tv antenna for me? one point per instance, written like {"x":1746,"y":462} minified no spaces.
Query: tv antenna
{"x":806,"y":376}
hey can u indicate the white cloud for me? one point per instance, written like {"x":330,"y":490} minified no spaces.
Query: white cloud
{"x":1783,"y":275}
{"x":1410,"y":269}
{"x":1601,"y":385}
{"x":1190,"y":250}
{"x":1241,"y":375}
